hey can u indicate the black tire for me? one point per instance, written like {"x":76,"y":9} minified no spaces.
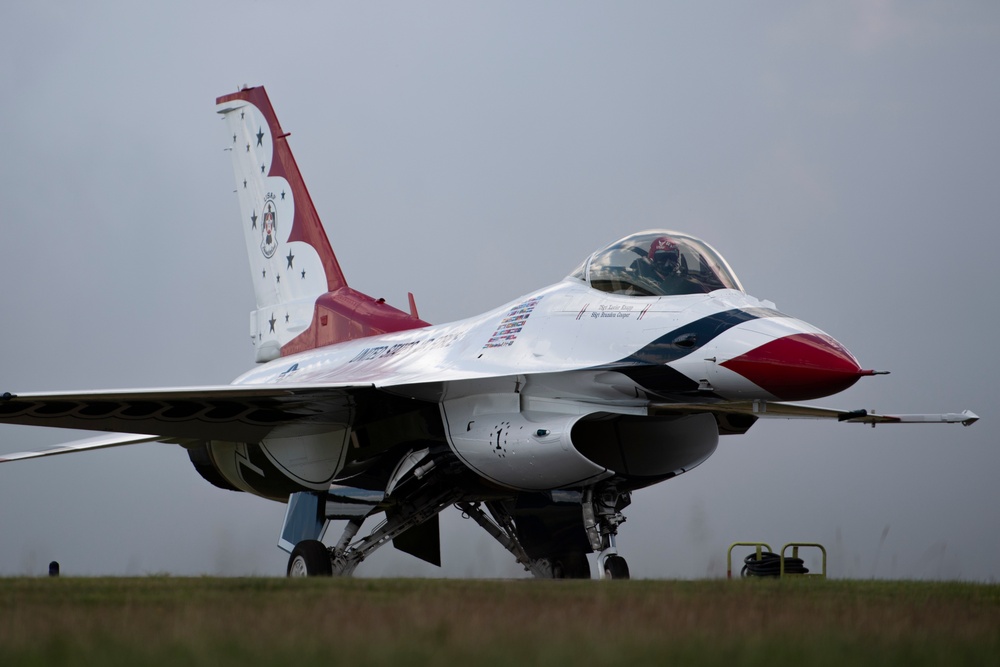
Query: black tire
{"x":615,"y":567}
{"x":571,"y":565}
{"x":310,"y":558}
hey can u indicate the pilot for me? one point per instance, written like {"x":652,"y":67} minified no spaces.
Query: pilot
{"x":662,"y":269}
{"x":664,"y":256}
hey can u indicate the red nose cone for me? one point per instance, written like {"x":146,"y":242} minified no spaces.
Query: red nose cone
{"x":799,"y":367}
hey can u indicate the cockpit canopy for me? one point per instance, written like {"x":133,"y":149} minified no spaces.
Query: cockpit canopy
{"x":658,"y":263}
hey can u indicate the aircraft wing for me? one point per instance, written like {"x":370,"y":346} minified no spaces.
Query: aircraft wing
{"x":232,"y":413}
{"x":766,"y":409}
{"x":99,"y":442}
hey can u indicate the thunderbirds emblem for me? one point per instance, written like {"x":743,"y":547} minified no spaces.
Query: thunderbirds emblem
{"x":269,"y":230}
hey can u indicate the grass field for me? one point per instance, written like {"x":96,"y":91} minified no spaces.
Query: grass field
{"x":208,"y":621}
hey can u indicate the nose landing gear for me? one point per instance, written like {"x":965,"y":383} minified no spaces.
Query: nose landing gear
{"x":615,"y":567}
{"x":601,"y":517}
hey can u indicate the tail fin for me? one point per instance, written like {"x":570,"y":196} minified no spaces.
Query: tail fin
{"x":303,"y":300}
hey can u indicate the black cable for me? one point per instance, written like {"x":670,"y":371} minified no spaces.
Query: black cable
{"x":769,"y":565}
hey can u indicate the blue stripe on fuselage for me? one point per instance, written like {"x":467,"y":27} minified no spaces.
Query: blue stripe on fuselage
{"x":689,"y":338}
{"x":648,"y":366}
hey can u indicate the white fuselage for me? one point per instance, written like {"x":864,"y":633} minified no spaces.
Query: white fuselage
{"x":564,"y":327}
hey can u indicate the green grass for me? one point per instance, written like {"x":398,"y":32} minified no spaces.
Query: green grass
{"x":208,"y":621}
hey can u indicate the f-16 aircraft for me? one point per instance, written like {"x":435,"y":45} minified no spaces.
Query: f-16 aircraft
{"x":538,"y":419}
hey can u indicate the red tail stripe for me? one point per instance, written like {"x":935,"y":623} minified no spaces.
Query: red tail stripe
{"x":306,"y":225}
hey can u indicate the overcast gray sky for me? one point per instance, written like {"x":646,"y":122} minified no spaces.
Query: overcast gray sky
{"x":843,"y":156}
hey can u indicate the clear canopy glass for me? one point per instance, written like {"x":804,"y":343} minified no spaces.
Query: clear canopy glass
{"x":658,"y":263}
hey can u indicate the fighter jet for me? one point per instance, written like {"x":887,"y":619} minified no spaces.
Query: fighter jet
{"x":538,"y":419}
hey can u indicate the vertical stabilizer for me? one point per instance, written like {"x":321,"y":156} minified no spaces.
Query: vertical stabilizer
{"x":292,"y":264}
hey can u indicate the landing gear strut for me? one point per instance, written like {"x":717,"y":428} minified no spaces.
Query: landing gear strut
{"x":601,"y":517}
{"x":500,"y":524}
{"x":313,"y":558}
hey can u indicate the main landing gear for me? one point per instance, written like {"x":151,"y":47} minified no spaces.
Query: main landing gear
{"x":500,"y":524}
{"x":557,"y":551}
{"x":312,"y":558}
{"x":601,"y":508}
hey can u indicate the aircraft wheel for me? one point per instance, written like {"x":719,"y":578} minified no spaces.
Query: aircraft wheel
{"x":310,"y":558}
{"x":615,"y":567}
{"x":571,"y":565}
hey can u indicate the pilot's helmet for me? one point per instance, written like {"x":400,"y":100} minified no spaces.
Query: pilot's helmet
{"x":664,"y":254}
